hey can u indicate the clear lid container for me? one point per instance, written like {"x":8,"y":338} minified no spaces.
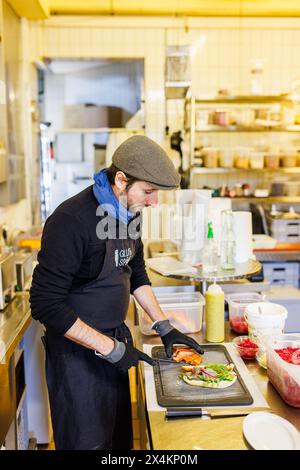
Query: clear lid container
{"x":237,"y":304}
{"x":284,"y":376}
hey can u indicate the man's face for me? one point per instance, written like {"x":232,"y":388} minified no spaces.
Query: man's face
{"x":140,"y":195}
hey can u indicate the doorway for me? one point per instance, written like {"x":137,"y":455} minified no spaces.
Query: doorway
{"x":87,"y":108}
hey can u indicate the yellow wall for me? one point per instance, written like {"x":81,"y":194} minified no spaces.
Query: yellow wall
{"x":42,"y":8}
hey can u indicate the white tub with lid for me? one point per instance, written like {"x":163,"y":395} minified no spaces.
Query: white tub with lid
{"x":265,"y":319}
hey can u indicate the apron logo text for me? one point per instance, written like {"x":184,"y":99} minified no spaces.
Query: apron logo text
{"x":122,"y":257}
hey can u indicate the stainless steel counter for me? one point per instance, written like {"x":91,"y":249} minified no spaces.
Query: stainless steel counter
{"x":14,"y":321}
{"x":216,"y":434}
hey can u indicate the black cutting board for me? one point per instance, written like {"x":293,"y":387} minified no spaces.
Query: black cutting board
{"x":173,"y":391}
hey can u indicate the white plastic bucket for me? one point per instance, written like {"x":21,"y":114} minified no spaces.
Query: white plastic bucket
{"x":265,"y":319}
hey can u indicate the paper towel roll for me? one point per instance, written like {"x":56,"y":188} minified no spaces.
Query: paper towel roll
{"x":242,"y":226}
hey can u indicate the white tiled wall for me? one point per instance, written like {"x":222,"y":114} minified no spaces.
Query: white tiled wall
{"x":100,"y":41}
{"x":223,"y":49}
{"x":16,"y":216}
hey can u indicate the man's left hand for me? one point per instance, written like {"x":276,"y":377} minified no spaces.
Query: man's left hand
{"x":171,"y":336}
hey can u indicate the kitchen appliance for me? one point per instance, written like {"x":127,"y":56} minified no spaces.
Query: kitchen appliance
{"x":7,"y":279}
{"x":24,"y":267}
{"x":171,"y":391}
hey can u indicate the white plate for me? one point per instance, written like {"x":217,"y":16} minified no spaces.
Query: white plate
{"x":267,"y":431}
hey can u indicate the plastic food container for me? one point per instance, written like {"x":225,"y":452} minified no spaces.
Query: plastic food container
{"x":272,"y":160}
{"x":210,"y":157}
{"x":226,"y":159}
{"x":237,"y":304}
{"x":284,"y":376}
{"x":265,"y":319}
{"x":241,"y":157}
{"x":183,"y":309}
{"x":246,"y":347}
{"x":256,"y":160}
{"x":289,"y":160}
{"x":277,"y":188}
{"x":222,"y":117}
{"x":291,"y":188}
{"x":261,"y":357}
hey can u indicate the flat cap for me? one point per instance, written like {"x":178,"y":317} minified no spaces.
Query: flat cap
{"x":145,"y":160}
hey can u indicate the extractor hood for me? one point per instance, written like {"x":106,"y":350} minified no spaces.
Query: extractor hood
{"x":176,"y":90}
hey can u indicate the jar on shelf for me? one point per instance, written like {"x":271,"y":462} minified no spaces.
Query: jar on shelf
{"x":256,"y":160}
{"x":277,"y":187}
{"x":291,"y":188}
{"x":245,"y":117}
{"x":238,"y":187}
{"x":202,"y":118}
{"x":210,"y":157}
{"x":241,"y":158}
{"x":272,"y":160}
{"x":226,"y":158}
{"x":222,"y":117}
{"x":288,"y":158}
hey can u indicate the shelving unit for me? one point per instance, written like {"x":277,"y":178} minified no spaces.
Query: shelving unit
{"x":231,"y":128}
{"x":99,"y":130}
{"x":204,"y":170}
{"x":269,"y":199}
{"x":233,"y":121}
{"x":12,"y":162}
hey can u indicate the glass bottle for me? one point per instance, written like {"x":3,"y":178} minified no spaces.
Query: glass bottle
{"x":227,"y":241}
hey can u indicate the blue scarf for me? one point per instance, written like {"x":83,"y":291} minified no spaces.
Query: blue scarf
{"x":105,"y":196}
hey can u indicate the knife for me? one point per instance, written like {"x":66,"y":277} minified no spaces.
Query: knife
{"x":171,"y":361}
{"x":189,"y":412}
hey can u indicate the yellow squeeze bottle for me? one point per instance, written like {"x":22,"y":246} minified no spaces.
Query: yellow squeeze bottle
{"x":214,"y":314}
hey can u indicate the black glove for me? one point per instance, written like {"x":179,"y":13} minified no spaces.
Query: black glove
{"x":131,"y":357}
{"x":124,"y":356}
{"x":171,"y":336}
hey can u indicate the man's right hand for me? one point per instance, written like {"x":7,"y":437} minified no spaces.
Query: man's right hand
{"x":124,"y":356}
{"x":131,"y":358}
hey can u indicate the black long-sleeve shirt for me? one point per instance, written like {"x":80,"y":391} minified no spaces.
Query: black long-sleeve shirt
{"x":71,"y":255}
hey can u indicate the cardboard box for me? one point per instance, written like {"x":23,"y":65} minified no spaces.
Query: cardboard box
{"x":91,"y":116}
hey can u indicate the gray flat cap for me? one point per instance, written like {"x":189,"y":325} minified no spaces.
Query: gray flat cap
{"x":145,"y":160}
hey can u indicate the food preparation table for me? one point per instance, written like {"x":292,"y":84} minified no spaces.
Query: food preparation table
{"x":197,"y":433}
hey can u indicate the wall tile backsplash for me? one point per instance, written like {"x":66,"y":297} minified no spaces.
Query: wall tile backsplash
{"x":223,"y":51}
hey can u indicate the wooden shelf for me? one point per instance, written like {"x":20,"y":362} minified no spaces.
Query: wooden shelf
{"x":216,"y":128}
{"x":269,"y":199}
{"x":204,"y":170}
{"x":246,"y":99}
{"x":99,"y":130}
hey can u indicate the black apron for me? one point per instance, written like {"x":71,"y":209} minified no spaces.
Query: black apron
{"x":89,"y":397}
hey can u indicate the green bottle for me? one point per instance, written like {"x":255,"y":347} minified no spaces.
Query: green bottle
{"x":210,"y":252}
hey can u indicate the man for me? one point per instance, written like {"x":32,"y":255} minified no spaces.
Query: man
{"x":80,"y":292}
